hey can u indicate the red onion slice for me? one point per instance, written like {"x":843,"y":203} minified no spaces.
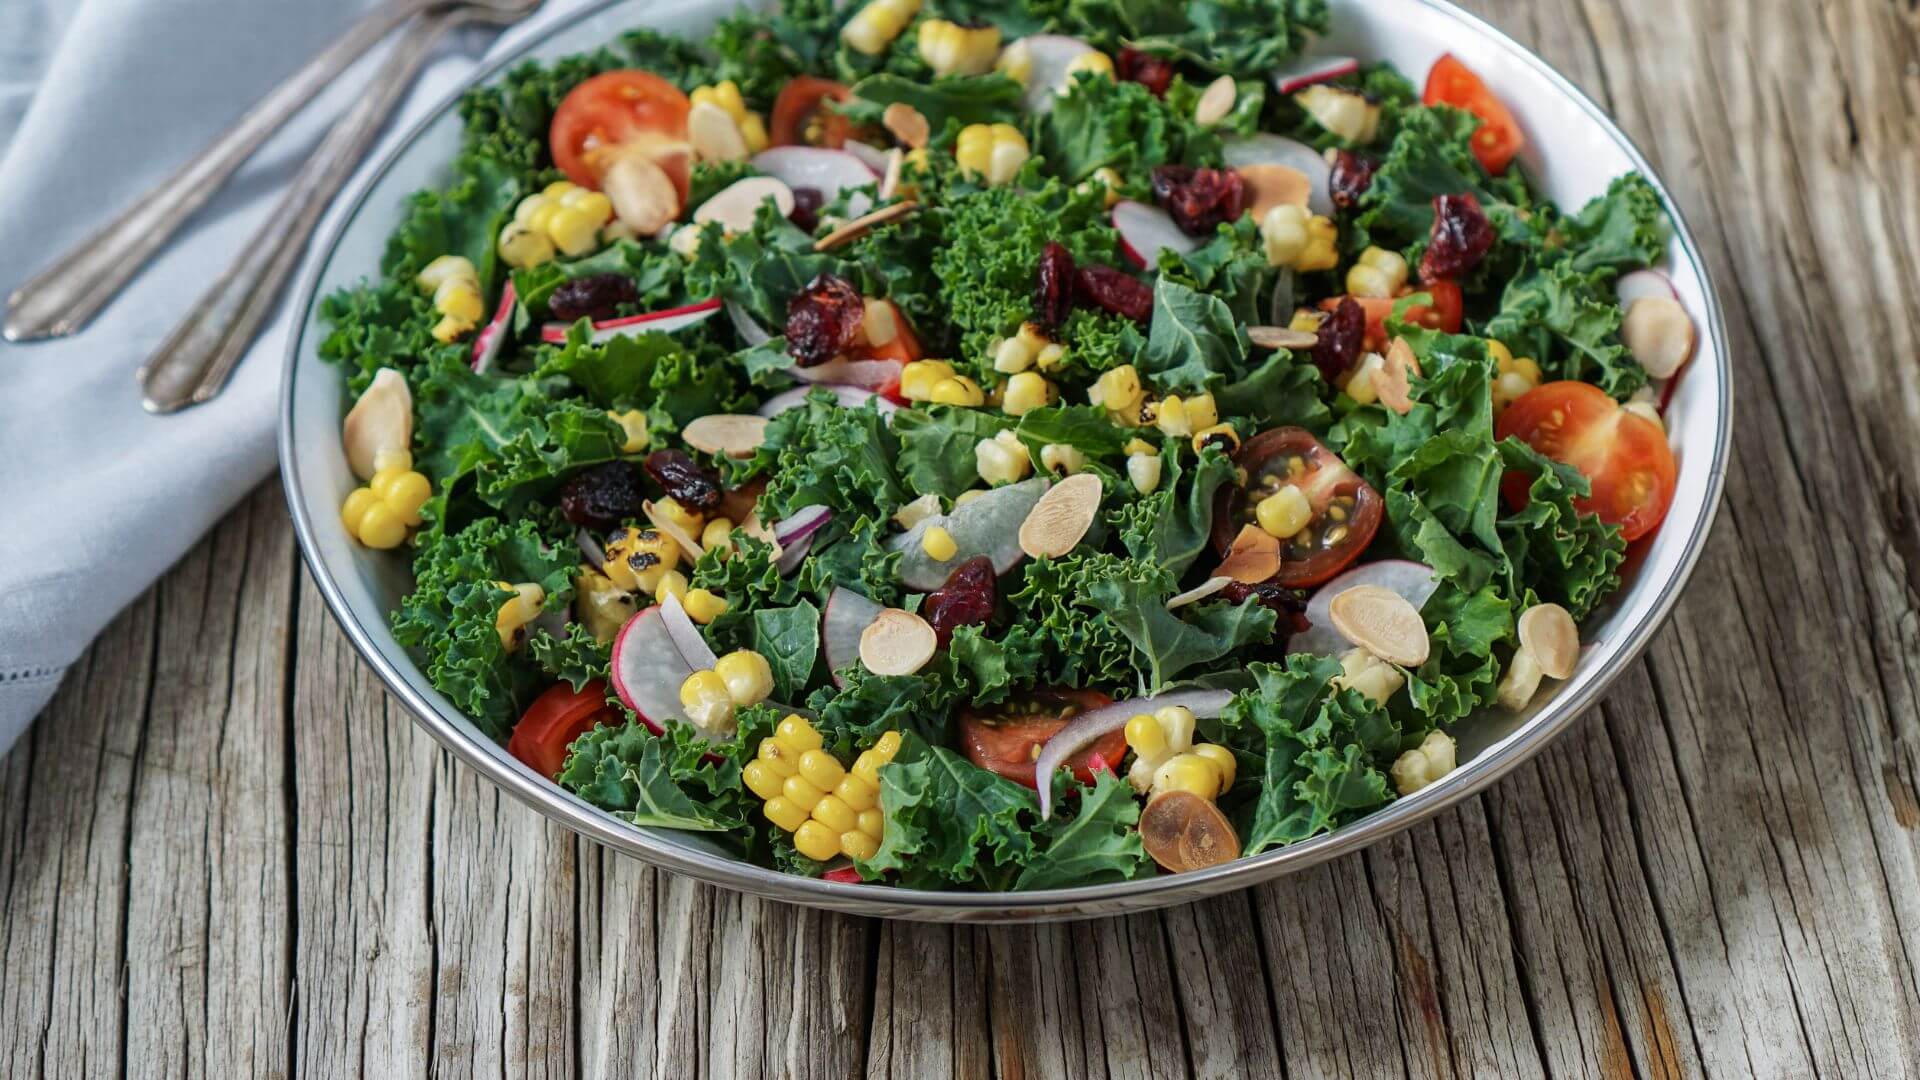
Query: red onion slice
{"x":793,"y":554}
{"x":801,"y":524}
{"x":851,"y":397}
{"x":686,"y":636}
{"x":750,"y":332}
{"x":866,"y":374}
{"x":590,"y":548}
{"x":1305,"y":71}
{"x":1088,"y":726}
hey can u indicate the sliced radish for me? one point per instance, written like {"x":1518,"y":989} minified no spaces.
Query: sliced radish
{"x":664,"y":322}
{"x":870,"y":155}
{"x":829,"y":172}
{"x":590,"y":548}
{"x":1412,"y":580}
{"x":988,"y":525}
{"x":801,"y":524}
{"x":1144,"y":230}
{"x":875,"y":375}
{"x":492,"y":338}
{"x":735,"y":205}
{"x":1091,"y":725}
{"x":1644,"y":283}
{"x":1305,"y":71}
{"x":1269,"y":149}
{"x":851,"y":397}
{"x":1198,"y":592}
{"x":648,"y":669}
{"x":750,"y":332}
{"x":1047,"y":57}
{"x":847,"y":615}
{"x":686,"y":636}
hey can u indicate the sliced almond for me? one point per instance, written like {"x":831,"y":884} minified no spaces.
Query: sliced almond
{"x":1182,"y":831}
{"x":1382,"y":622}
{"x":907,"y":124}
{"x":381,"y":422}
{"x":757,"y":529}
{"x":864,"y":224}
{"x":1390,"y":383}
{"x":1271,"y":185}
{"x":736,"y":205}
{"x":1281,"y":337}
{"x":1548,"y":632}
{"x":642,"y":194}
{"x":1061,"y":518}
{"x":1404,"y":352}
{"x":890,"y":181}
{"x":897,"y":643}
{"x":715,"y":134}
{"x":1216,"y":101}
{"x":1199,"y":592}
{"x":1253,"y":558}
{"x":1659,"y":334}
{"x":688,"y":545}
{"x":730,"y":434}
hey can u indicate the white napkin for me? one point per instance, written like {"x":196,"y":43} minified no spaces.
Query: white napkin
{"x":103,"y":98}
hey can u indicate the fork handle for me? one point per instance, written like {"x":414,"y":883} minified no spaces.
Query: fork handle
{"x":192,"y":365}
{"x":67,"y":294}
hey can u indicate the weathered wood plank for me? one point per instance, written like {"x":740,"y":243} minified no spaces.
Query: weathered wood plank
{"x":930,"y":1015}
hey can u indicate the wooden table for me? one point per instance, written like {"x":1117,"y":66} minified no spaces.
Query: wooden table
{"x":225,"y":853}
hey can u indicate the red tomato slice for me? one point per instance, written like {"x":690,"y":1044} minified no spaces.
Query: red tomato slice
{"x":556,"y":718}
{"x":1346,"y":509}
{"x":1625,"y":457}
{"x":1007,"y":738}
{"x":801,"y":105}
{"x":1445,"y":314}
{"x":616,"y":109}
{"x":1498,"y":138}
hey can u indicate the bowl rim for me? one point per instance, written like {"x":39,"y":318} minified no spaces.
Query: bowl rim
{"x":1084,"y":901}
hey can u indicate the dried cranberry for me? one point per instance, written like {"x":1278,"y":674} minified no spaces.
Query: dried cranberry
{"x":1461,"y":237}
{"x":1053,"y":287}
{"x":1114,"y":292}
{"x":603,"y":496}
{"x":1289,"y":604}
{"x":806,"y":207}
{"x":1340,"y":335}
{"x":1352,"y":176}
{"x":1199,"y":199}
{"x":684,"y":481}
{"x":966,"y":599}
{"x":823,"y":319}
{"x":1153,"y":72}
{"x":595,"y":296}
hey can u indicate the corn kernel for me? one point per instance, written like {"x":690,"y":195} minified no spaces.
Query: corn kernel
{"x":1094,"y":63}
{"x":785,"y":813}
{"x":558,"y":188}
{"x":802,"y":793}
{"x":672,"y":583}
{"x":991,"y":153}
{"x":703,"y":606}
{"x":705,"y":700}
{"x":761,"y":780}
{"x":1144,"y":471}
{"x":1108,"y":179}
{"x":517,"y":611}
{"x":855,"y":792}
{"x":1177,"y":721}
{"x":1296,"y":238}
{"x":1117,"y":390}
{"x":717,"y":535}
{"x":866,"y":768}
{"x":958,"y":390}
{"x":1223,"y":762}
{"x":403,"y":490}
{"x":872,"y":822}
{"x":595,"y":205}
{"x":1002,"y":459}
{"x":690,"y":521}
{"x":460,"y":298}
{"x":633,"y":423}
{"x":968,"y":496}
{"x":747,"y":675}
{"x":952,"y":49}
{"x":1221,"y":435}
{"x":1061,"y":459}
{"x":919,"y":377}
{"x":378,"y":527}
{"x":1377,"y":273}
{"x":444,"y":269}
{"x":798,"y":734}
{"x":1171,"y":417}
{"x":573,"y":231}
{"x":777,"y":755}
{"x":836,"y":815}
{"x":1026,"y":392}
{"x":816,"y":841}
{"x":638,"y":559}
{"x":1187,"y":772}
{"x":1144,"y":735}
{"x":817,"y":767}
{"x":1284,"y":513}
{"x":1502,"y":356}
{"x":1202,"y":412}
{"x":858,"y":845}
{"x":1360,"y":384}
{"x":938,"y":543}
{"x":521,"y":245}
{"x":875,"y":26}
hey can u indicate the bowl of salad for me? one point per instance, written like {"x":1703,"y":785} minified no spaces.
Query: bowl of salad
{"x":1005,"y":461}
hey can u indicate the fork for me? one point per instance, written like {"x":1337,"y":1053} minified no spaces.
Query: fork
{"x":193,"y":364}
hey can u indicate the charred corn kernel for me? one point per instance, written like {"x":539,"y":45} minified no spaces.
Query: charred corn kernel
{"x":875,"y":26}
{"x":938,"y":544}
{"x":638,"y":559}
{"x":747,"y":675}
{"x":1061,"y":459}
{"x":1117,"y":390}
{"x":703,"y":606}
{"x":1373,"y":677}
{"x":991,"y":153}
{"x":1154,"y":739}
{"x":521,"y":245}
{"x":1016,"y":354}
{"x":1002,"y":459}
{"x":634,"y":423}
{"x":867,"y":765}
{"x":1202,"y":412}
{"x":1171,"y":417}
{"x":958,"y":390}
{"x":672,"y":583}
{"x":1223,"y":762}
{"x":449,"y":329}
{"x":717,"y":535}
{"x":1377,"y":273}
{"x":919,"y":377}
{"x":1187,"y":772}
{"x":519,"y":609}
{"x":1105,"y":179}
{"x":1220,"y":435}
{"x":1343,"y":112}
{"x":1284,"y":513}
{"x":704,"y":698}
{"x":1294,"y":237}
{"x":1026,"y":392}
{"x":690,"y":521}
{"x":952,"y":49}
{"x":444,"y":269}
{"x":379,"y":513}
{"x":819,"y":768}
{"x":1360,"y":384}
{"x":1144,"y":470}
{"x":858,"y":845}
{"x":1434,"y":758}
{"x":782,"y":812}
{"x":835,"y":814}
{"x":600,"y":605}
{"x":858,"y":794}
{"x":799,"y":735}
{"x":816,"y":841}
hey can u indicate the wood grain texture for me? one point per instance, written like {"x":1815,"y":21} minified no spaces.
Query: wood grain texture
{"x":224,"y":852}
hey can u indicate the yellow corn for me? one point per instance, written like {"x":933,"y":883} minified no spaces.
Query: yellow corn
{"x":747,"y":675}
{"x":1095,"y":62}
{"x":1295,"y":238}
{"x":918,"y":378}
{"x":638,"y":558}
{"x":690,"y":521}
{"x":1002,"y":459}
{"x":519,"y":609}
{"x":1202,"y":412}
{"x":1221,"y":435}
{"x":1284,"y":513}
{"x":829,"y":809}
{"x":938,"y":543}
{"x":726,"y":95}
{"x":1118,"y":390}
{"x":603,"y":607}
{"x":1144,"y":469}
{"x":1170,"y":416}
{"x":672,"y":583}
{"x":521,"y":245}
{"x":952,"y":49}
{"x":380,"y":513}
{"x":1061,"y":459}
{"x":1189,"y":772}
{"x":991,"y":153}
{"x":703,"y":606}
{"x":705,"y":700}
{"x":563,"y":217}
{"x":1016,"y":62}
{"x":456,"y":296}
{"x":1108,"y":179}
{"x":1155,"y":738}
{"x":1223,"y":762}
{"x":1513,"y":377}
{"x":958,"y":390}
{"x":875,"y":26}
{"x":1026,"y":392}
{"x":717,"y":535}
{"x":444,"y":269}
{"x":1016,"y":354}
{"x":1377,"y":273}
{"x":634,"y":423}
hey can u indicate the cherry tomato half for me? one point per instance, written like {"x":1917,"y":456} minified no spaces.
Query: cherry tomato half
{"x":801,"y":116}
{"x":615,"y":109}
{"x":1346,"y":509}
{"x":1498,"y":138}
{"x":1444,"y":314}
{"x":1625,"y":457}
{"x":556,"y":718}
{"x":1007,"y":738}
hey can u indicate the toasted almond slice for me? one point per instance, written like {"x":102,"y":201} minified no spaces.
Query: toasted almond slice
{"x":381,"y":422}
{"x":1404,"y":352}
{"x":736,"y":205}
{"x":643,"y":196}
{"x":907,"y":124}
{"x":1061,"y":518}
{"x":1390,"y":383}
{"x":726,"y":433}
{"x":688,"y":545}
{"x":863,"y":224}
{"x":1216,"y":101}
{"x":1199,"y":592}
{"x":1182,"y":831}
{"x":757,"y":529}
{"x":1659,"y":334}
{"x":1270,"y":185}
{"x":897,"y":643}
{"x":1253,"y":558}
{"x":1281,"y":337}
{"x":890,"y":182}
{"x":1382,"y":622}
{"x":715,"y":134}
{"x":1548,"y":632}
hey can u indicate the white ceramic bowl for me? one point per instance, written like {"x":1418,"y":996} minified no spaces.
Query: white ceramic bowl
{"x":1573,"y":151}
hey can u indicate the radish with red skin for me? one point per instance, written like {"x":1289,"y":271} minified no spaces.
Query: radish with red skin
{"x":1641,"y":283}
{"x":1265,"y":148}
{"x":1412,"y":580}
{"x":686,"y":636}
{"x":987,"y":525}
{"x":1306,"y":71}
{"x":647,"y":670}
{"x":844,"y":875}
{"x":492,"y":338}
{"x":750,"y":332}
{"x":665,"y":322}
{"x":829,"y":172}
{"x":1094,"y":723}
{"x":1144,"y":230}
{"x":847,"y":616}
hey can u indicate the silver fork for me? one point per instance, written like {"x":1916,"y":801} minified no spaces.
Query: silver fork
{"x":193,"y":364}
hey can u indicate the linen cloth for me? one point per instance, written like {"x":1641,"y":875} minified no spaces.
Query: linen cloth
{"x":99,"y":100}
